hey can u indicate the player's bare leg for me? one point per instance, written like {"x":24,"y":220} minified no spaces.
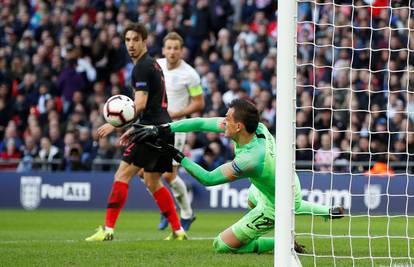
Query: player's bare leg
{"x":116,"y":201}
{"x":165,"y":202}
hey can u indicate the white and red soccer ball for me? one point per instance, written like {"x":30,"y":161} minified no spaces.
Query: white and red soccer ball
{"x":119,"y":110}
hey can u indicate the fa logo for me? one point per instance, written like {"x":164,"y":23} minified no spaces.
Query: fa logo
{"x":30,"y":191}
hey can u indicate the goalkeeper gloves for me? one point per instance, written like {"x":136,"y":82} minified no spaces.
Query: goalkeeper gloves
{"x":170,"y":150}
{"x":142,"y":132}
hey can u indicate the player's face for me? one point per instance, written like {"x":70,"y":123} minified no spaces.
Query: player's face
{"x":232,"y":128}
{"x":172,"y":51}
{"x":134,"y":44}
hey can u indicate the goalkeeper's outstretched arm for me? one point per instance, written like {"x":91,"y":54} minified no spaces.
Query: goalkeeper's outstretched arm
{"x":140,"y":132}
{"x":215,"y":125}
{"x":221,"y":175}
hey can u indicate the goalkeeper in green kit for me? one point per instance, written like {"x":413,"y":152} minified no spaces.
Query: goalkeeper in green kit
{"x":254,"y":160}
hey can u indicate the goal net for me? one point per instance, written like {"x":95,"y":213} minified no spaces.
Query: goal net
{"x":355,"y":130}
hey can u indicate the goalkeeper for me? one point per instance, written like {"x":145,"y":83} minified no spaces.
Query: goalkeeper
{"x":254,"y":159}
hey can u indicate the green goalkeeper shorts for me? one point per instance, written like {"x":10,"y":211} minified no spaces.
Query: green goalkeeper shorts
{"x":253,"y":195}
{"x":258,"y":221}
{"x":261,"y":219}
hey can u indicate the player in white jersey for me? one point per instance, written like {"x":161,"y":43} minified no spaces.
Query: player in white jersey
{"x":185,"y":97}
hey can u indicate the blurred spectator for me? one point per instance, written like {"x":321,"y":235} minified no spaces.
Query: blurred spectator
{"x":29,"y":152}
{"x":220,"y":10}
{"x":86,"y":143}
{"x":49,"y":155}
{"x":69,"y":140}
{"x":11,"y":133}
{"x":212,"y":156}
{"x":6,"y":112}
{"x":55,"y":136}
{"x":232,"y":92}
{"x":303,"y":150}
{"x":74,"y":160}
{"x":399,"y":155}
{"x":44,"y":96}
{"x":303,"y":124}
{"x":83,"y":11}
{"x":215,"y":104}
{"x":361,"y":153}
{"x":103,"y":151}
{"x":10,"y":152}
{"x":199,"y":26}
{"x":70,"y":80}
{"x":326,"y":155}
{"x":344,"y":158}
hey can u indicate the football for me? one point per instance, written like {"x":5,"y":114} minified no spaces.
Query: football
{"x":119,"y":110}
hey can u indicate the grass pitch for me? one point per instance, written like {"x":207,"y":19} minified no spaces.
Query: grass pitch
{"x":55,"y":238}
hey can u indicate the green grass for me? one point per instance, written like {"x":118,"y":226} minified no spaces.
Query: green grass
{"x":334,"y":238}
{"x":55,"y":238}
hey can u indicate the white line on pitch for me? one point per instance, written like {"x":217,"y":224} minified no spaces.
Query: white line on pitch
{"x":73,"y":241}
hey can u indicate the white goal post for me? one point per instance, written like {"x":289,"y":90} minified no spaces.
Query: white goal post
{"x":285,"y":139}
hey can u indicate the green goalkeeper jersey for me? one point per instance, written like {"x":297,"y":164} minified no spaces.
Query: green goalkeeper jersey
{"x":255,"y":160}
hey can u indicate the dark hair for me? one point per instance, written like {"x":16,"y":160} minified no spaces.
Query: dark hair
{"x":136,"y":27}
{"x":246,"y":113}
{"x":175,"y":37}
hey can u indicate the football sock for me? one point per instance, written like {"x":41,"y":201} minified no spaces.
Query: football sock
{"x":259,"y":245}
{"x":221,"y":247}
{"x":179,"y":190}
{"x":165,"y":202}
{"x":265,"y":244}
{"x":116,"y":201}
{"x":308,"y":208}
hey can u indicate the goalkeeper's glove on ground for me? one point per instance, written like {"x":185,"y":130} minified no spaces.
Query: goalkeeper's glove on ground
{"x":142,"y":132}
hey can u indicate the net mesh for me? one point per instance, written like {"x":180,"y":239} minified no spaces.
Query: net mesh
{"x":354,"y":130}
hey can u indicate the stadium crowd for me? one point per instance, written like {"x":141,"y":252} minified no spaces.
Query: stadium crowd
{"x":60,"y":60}
{"x":354,"y":85}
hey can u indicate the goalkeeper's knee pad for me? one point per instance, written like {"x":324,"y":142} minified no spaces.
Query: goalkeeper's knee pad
{"x":221,"y":247}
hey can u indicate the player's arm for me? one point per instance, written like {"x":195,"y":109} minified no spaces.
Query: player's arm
{"x":104,"y":130}
{"x":141,"y":98}
{"x":197,"y":100}
{"x":139,"y":132}
{"x":140,"y":85}
{"x":222,"y":174}
{"x":196,"y":105}
{"x":242,"y":166}
{"x":215,"y":125}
